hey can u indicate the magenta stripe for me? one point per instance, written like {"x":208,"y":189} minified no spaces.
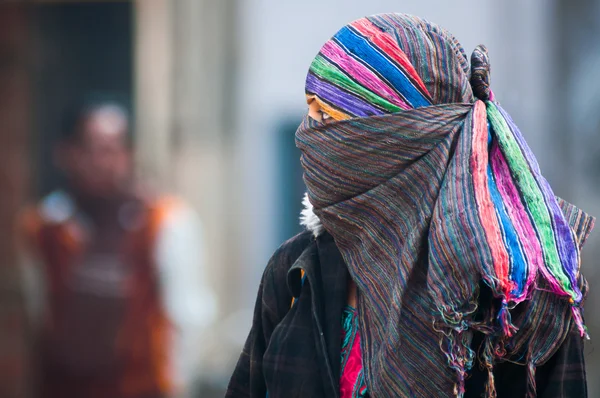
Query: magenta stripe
{"x":519,"y":217}
{"x":361,"y":74}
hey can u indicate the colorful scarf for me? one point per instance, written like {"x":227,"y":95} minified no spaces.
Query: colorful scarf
{"x":431,"y":192}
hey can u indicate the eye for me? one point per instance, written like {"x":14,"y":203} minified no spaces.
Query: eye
{"x":325,"y":116}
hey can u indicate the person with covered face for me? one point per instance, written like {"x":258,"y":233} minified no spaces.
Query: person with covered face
{"x":437,"y":260}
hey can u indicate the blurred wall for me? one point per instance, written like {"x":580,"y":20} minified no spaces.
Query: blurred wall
{"x":577,"y":139}
{"x":184,"y":68}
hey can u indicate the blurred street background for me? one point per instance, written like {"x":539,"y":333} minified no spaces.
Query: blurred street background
{"x":215,"y":89}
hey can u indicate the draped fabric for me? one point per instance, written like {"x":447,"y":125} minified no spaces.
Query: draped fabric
{"x":430,"y":191}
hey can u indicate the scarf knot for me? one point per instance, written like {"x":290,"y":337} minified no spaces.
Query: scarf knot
{"x":480,"y":74}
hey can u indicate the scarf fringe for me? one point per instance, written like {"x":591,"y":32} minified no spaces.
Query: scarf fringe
{"x":505,"y":319}
{"x":460,"y":357}
{"x":455,"y":342}
{"x":488,"y":363}
{"x":531,"y":384}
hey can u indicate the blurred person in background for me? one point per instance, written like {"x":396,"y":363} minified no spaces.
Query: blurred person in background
{"x":437,"y":261}
{"x":120,"y":271}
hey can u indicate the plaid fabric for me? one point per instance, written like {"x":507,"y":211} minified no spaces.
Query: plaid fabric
{"x":296,"y":352}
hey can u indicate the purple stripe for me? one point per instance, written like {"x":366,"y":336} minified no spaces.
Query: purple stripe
{"x":344,"y":100}
{"x":362,"y":74}
{"x":518,"y":215}
{"x":563,"y":235}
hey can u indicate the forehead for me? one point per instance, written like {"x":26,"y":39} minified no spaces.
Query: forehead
{"x":104,"y":125}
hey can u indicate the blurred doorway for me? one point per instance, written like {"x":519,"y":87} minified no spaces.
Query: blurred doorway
{"x":80,"y":50}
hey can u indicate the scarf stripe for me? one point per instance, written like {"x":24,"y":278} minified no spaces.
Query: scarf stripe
{"x":390,"y":47}
{"x":341,"y":98}
{"x":396,"y":77}
{"x":517,"y":262}
{"x":486,"y":209}
{"x":369,"y":101}
{"x":362,"y":75}
{"x":565,"y":239}
{"x":520,"y":220}
{"x":553,"y":232}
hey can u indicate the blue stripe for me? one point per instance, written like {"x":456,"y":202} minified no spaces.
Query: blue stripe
{"x":360,"y":47}
{"x":518,"y":269}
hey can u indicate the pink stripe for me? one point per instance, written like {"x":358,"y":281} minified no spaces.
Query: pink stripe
{"x":361,"y":74}
{"x":390,"y":46}
{"x":518,"y":215}
{"x":487,"y":212}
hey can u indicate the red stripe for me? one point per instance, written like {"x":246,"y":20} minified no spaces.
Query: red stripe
{"x":390,"y":47}
{"x":487,"y":213}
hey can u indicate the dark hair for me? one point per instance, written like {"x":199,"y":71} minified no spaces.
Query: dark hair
{"x":82,"y":109}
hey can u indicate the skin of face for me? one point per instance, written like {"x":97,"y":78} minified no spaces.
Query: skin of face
{"x":97,"y":162}
{"x":316,"y":112}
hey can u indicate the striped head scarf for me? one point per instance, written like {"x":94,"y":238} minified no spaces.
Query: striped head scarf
{"x":431,"y":193}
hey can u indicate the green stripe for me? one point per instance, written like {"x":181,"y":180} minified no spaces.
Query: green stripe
{"x":532,"y":194}
{"x":331,"y":73}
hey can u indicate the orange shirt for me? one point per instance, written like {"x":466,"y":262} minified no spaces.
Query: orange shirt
{"x":143,"y":331}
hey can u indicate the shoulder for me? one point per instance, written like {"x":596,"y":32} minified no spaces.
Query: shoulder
{"x":169,"y":215}
{"x":56,"y":208}
{"x":284,"y":257}
{"x":317,"y":248}
{"x":165,"y":206}
{"x":174,"y":212}
{"x":274,"y":289}
{"x":290,"y":250}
